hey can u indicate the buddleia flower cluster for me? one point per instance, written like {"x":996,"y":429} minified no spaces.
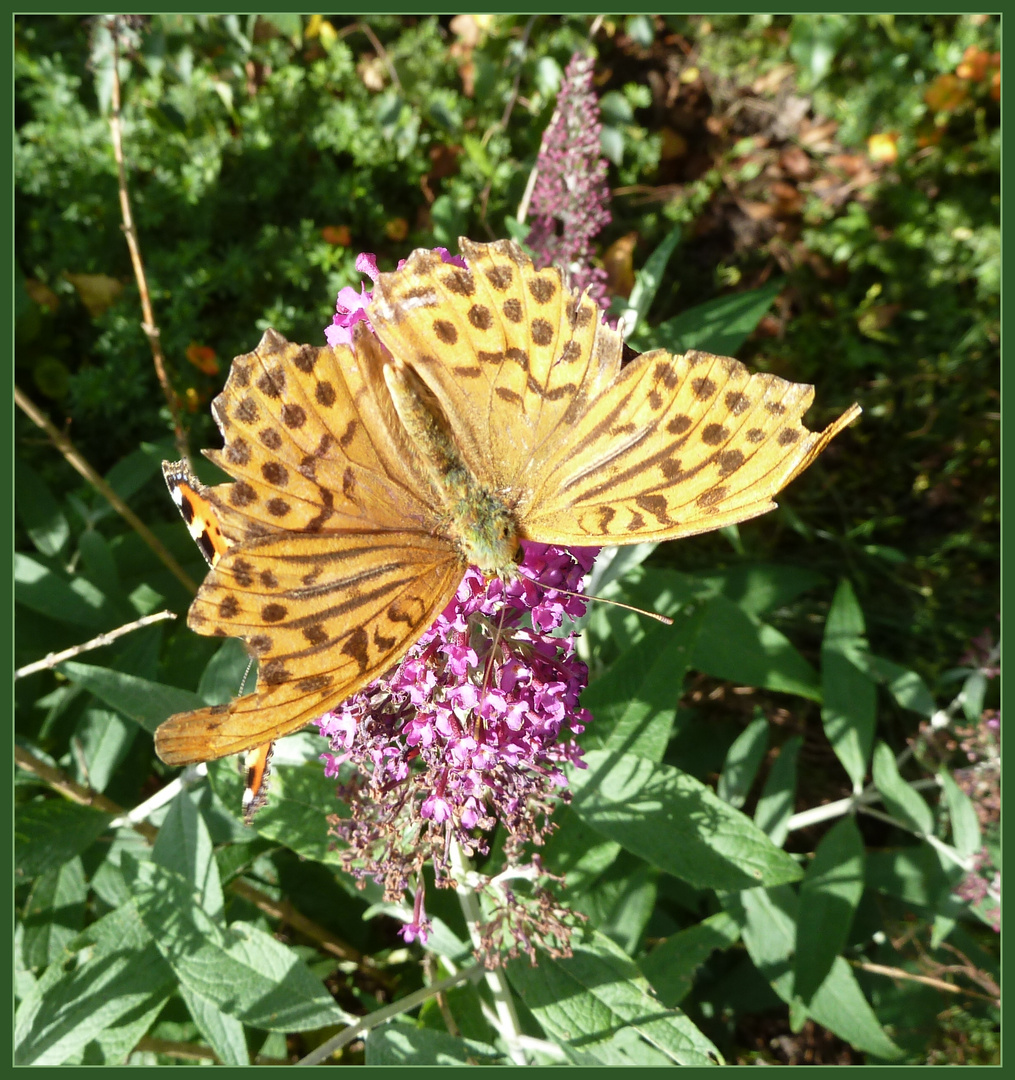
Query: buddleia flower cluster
{"x":571,"y":197}
{"x":471,"y":731}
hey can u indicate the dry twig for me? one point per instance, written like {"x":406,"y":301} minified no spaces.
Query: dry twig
{"x":53,"y":659}
{"x":149,"y":325}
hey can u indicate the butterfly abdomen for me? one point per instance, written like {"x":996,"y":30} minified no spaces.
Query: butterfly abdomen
{"x":479,"y":523}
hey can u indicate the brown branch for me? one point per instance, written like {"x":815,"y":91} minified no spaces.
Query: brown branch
{"x":74,"y":458}
{"x":149,"y":325}
{"x":928,"y":980}
{"x":60,"y":782}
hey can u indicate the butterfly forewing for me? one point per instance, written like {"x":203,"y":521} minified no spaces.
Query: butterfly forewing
{"x":506,"y":349}
{"x":312,"y":444}
{"x":678,"y":445}
{"x":336,"y":564}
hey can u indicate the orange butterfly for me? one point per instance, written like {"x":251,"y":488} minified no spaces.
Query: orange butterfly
{"x":491,"y":407}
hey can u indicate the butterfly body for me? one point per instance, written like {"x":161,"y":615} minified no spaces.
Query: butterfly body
{"x":491,"y":407}
{"x":478,"y":522}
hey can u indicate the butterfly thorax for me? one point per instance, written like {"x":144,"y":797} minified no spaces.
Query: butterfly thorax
{"x":479,"y":522}
{"x":481,"y":526}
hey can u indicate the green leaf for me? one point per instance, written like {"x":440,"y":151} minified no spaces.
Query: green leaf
{"x":300,"y":797}
{"x":622,"y":901}
{"x":401,"y":1043}
{"x":577,"y":851}
{"x":115,"y":1044}
{"x":224,"y":672}
{"x":778,"y":796}
{"x":611,"y":142}
{"x":184,"y":846}
{"x":477,"y":154}
{"x":917,"y":876}
{"x":223,"y":1033}
{"x":635,"y":701}
{"x":105,"y":738}
{"x":736,"y":646}
{"x":743,"y":759}
{"x":640,"y":29}
{"x":584,"y":1000}
{"x":242,"y":971}
{"x":51,"y":832}
{"x":718,"y":326}
{"x":901,"y":798}
{"x":829,"y":896}
{"x":849,"y":698}
{"x":104,"y":992}
{"x":767,"y":918}
{"x":147,"y":703}
{"x":40,"y":513}
{"x":966,"y":835}
{"x":54,"y":914}
{"x":98,"y":564}
{"x":908,"y":689}
{"x":675,"y":823}
{"x":77,"y":601}
{"x":648,"y":279}
{"x":757,"y":588}
{"x":670,"y":967}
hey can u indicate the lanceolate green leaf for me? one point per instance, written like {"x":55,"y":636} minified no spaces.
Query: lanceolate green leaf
{"x":736,"y":646}
{"x":719,"y":326}
{"x":775,"y":805}
{"x":78,"y":1007}
{"x":768,"y":922}
{"x":849,"y":697}
{"x":670,"y":967}
{"x":146,"y":702}
{"x":50,"y":832}
{"x":829,"y":895}
{"x":242,"y":971}
{"x":635,"y":701}
{"x":675,"y":823}
{"x":901,"y":798}
{"x":584,"y":1000}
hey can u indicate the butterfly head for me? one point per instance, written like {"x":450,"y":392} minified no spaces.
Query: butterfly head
{"x":487,"y":533}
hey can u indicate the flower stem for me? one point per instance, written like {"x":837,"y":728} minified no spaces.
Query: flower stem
{"x":496,"y":980}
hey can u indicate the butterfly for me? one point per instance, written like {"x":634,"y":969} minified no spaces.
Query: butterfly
{"x":489,"y":406}
{"x":202,"y":524}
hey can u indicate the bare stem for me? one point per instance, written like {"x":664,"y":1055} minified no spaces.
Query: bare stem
{"x":130,"y":233}
{"x":380,"y":1016}
{"x":52,"y":659}
{"x":507,"y":1017}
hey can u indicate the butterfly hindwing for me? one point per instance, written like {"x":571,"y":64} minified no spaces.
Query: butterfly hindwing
{"x":194,"y":501}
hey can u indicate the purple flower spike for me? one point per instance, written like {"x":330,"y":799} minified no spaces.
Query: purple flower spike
{"x":571,"y":197}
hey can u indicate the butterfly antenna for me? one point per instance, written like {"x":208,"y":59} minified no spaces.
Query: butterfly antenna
{"x":665,"y":620}
{"x":243,"y":681}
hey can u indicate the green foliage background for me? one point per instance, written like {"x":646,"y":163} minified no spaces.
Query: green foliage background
{"x":247,"y":138}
